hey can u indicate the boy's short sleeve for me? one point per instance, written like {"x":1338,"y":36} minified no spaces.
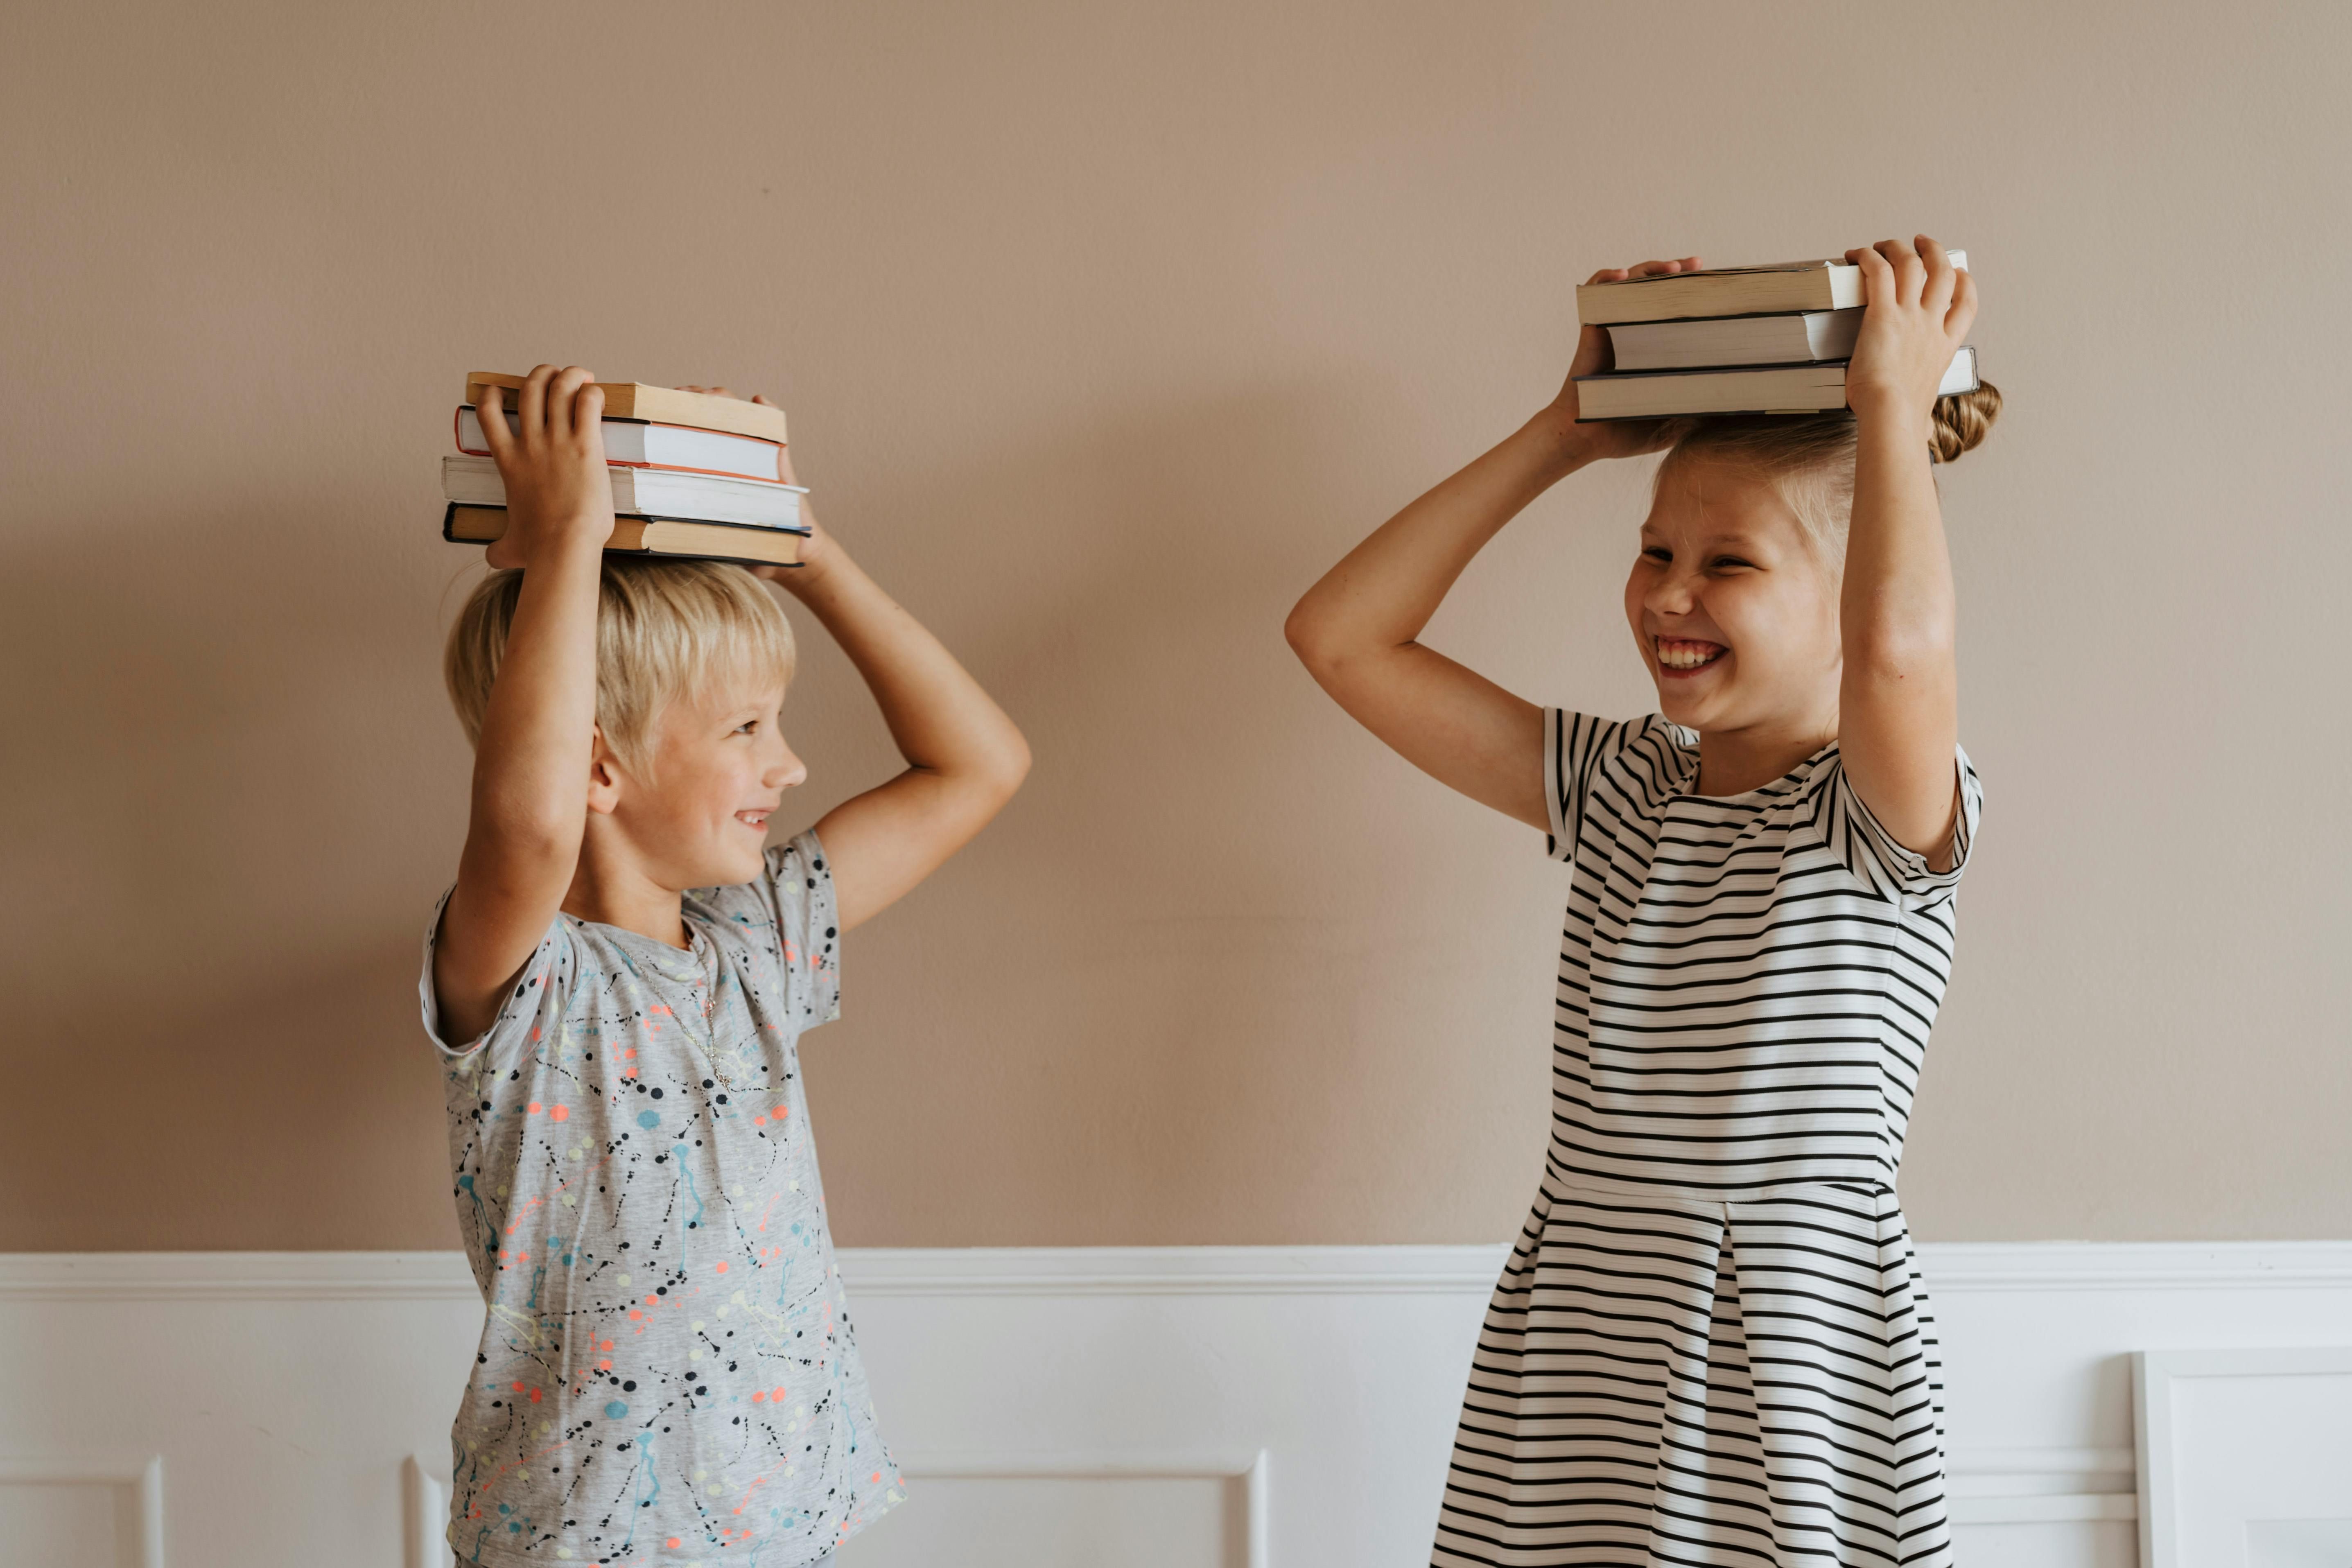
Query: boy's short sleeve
{"x":800,"y":878}
{"x":539,"y":991}
{"x":1879,"y":860}
{"x":1575,"y":746}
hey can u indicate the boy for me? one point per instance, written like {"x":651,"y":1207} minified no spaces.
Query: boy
{"x":617,"y":983}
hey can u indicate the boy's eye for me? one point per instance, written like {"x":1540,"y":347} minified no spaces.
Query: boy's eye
{"x":746,"y":727}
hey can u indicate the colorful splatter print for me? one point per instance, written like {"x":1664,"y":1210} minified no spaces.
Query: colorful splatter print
{"x":666,"y":1373}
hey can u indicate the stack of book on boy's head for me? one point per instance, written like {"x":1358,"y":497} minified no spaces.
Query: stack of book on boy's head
{"x":694,"y":475}
{"x":1733,"y":340}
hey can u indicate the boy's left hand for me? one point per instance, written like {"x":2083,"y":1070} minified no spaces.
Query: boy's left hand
{"x":813,"y":547}
{"x":1919,"y":309}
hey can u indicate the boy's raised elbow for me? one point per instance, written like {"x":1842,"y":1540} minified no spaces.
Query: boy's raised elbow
{"x":999,"y":775}
{"x":1013,"y":767}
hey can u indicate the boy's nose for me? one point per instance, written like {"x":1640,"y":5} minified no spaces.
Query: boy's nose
{"x":789,"y":771}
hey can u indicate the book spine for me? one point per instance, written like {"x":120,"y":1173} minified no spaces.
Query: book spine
{"x":449,"y":519}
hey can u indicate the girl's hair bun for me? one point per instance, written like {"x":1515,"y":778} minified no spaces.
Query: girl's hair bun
{"x":1961,"y":420}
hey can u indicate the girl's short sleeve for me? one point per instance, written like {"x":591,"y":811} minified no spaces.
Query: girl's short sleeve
{"x":1575,"y":746}
{"x":538,"y":993}
{"x":800,"y":879}
{"x":1878,"y":860}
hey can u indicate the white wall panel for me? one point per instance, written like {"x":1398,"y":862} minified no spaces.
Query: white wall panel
{"x":1233,"y":1408}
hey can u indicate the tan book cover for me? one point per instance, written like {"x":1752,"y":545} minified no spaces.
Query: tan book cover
{"x":1829,"y":284}
{"x":649,"y":536}
{"x":659,"y":405}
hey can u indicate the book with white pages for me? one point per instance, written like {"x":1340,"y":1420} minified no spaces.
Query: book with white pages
{"x":1831,"y":283}
{"x":1761,"y":389}
{"x":655,"y":492}
{"x":1808,"y":336}
{"x":641,"y":444}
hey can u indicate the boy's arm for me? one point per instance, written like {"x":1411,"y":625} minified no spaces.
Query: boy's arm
{"x":1898,"y":701}
{"x":1357,"y":630}
{"x":532,"y":764}
{"x":964,"y":756}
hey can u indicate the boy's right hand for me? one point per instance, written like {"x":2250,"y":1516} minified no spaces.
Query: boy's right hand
{"x":1614,"y":437}
{"x":558,"y":493}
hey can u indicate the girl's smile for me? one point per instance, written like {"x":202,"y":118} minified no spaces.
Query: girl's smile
{"x":1679,"y":658}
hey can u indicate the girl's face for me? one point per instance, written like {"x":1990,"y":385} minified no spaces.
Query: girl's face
{"x":1734,"y":608}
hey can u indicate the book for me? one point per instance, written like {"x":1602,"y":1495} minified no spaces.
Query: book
{"x":659,"y":405}
{"x":649,"y":492}
{"x":676,"y":537}
{"x":1719,"y":341}
{"x":1767,"y":389}
{"x":1831,"y":284}
{"x":639,"y":444}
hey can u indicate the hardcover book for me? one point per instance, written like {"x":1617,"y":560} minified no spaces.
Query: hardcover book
{"x":675,"y":537}
{"x":1787,"y":286}
{"x":659,"y":405}
{"x":1767,"y":389}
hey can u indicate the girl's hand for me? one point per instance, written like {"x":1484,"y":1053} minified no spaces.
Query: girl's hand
{"x":558,"y":494}
{"x":1919,"y":309}
{"x":817,"y":548}
{"x":1615,"y":438}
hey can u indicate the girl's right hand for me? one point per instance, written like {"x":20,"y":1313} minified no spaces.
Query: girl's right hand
{"x":1614,"y":437}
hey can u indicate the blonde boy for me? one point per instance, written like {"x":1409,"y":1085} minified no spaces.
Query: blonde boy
{"x":617,"y":983}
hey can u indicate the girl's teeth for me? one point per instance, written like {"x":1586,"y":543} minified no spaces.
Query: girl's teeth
{"x":1685,"y":657}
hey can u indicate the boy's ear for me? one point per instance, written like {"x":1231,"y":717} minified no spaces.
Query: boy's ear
{"x":603,"y":775}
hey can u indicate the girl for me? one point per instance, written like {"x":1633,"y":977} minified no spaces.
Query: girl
{"x":1710,"y":1345}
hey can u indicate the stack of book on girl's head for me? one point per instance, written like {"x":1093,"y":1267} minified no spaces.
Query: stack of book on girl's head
{"x":694,"y":475}
{"x":1733,"y":340}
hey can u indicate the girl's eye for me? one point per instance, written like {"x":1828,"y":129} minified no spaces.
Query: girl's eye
{"x":1730,"y":562}
{"x":1658,"y":553}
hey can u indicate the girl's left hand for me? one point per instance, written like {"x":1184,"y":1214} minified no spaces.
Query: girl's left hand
{"x":814,"y":547}
{"x":1918,"y":314}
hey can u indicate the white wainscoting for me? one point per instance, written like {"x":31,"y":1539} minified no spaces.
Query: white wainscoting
{"x":1197,"y":1408}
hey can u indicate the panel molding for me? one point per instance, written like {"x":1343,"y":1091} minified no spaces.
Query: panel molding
{"x":1253,"y":1470}
{"x":2156,"y":1377}
{"x":144,"y":1473}
{"x":2042,"y":1485}
{"x":1949,"y":1268}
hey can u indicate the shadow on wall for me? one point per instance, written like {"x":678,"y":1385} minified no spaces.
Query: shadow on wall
{"x":245,"y":790}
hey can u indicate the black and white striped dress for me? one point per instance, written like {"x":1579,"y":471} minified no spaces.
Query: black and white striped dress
{"x":1710,"y":1345}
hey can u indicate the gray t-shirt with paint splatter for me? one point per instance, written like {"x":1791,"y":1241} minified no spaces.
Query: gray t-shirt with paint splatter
{"x":666,"y":1371}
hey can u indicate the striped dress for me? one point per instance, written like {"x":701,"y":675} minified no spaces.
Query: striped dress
{"x":1710,"y":1345}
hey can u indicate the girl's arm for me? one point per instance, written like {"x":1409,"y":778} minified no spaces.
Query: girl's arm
{"x":1356,"y":630}
{"x":530,"y":765}
{"x":964,"y":757}
{"x":1898,"y":700}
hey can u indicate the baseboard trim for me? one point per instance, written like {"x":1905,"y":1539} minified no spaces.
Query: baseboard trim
{"x":885,"y":1272}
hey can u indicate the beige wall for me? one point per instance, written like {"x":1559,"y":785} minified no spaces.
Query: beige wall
{"x":1103,"y":329}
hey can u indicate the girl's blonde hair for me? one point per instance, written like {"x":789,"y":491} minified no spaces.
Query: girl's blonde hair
{"x":1811,"y":459}
{"x":665,"y":629}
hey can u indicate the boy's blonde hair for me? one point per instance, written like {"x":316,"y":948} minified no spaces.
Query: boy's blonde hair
{"x":1810,"y":459}
{"x":665,"y":629}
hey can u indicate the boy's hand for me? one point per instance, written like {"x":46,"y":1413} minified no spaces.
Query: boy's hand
{"x":1920,"y":308}
{"x":817,"y":548}
{"x":558,"y":493}
{"x":1615,"y":438}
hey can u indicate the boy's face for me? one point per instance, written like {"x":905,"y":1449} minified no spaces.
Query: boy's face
{"x":720,"y":767}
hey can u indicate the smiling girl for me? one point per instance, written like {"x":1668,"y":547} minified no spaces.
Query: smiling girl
{"x":1710,"y":1345}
